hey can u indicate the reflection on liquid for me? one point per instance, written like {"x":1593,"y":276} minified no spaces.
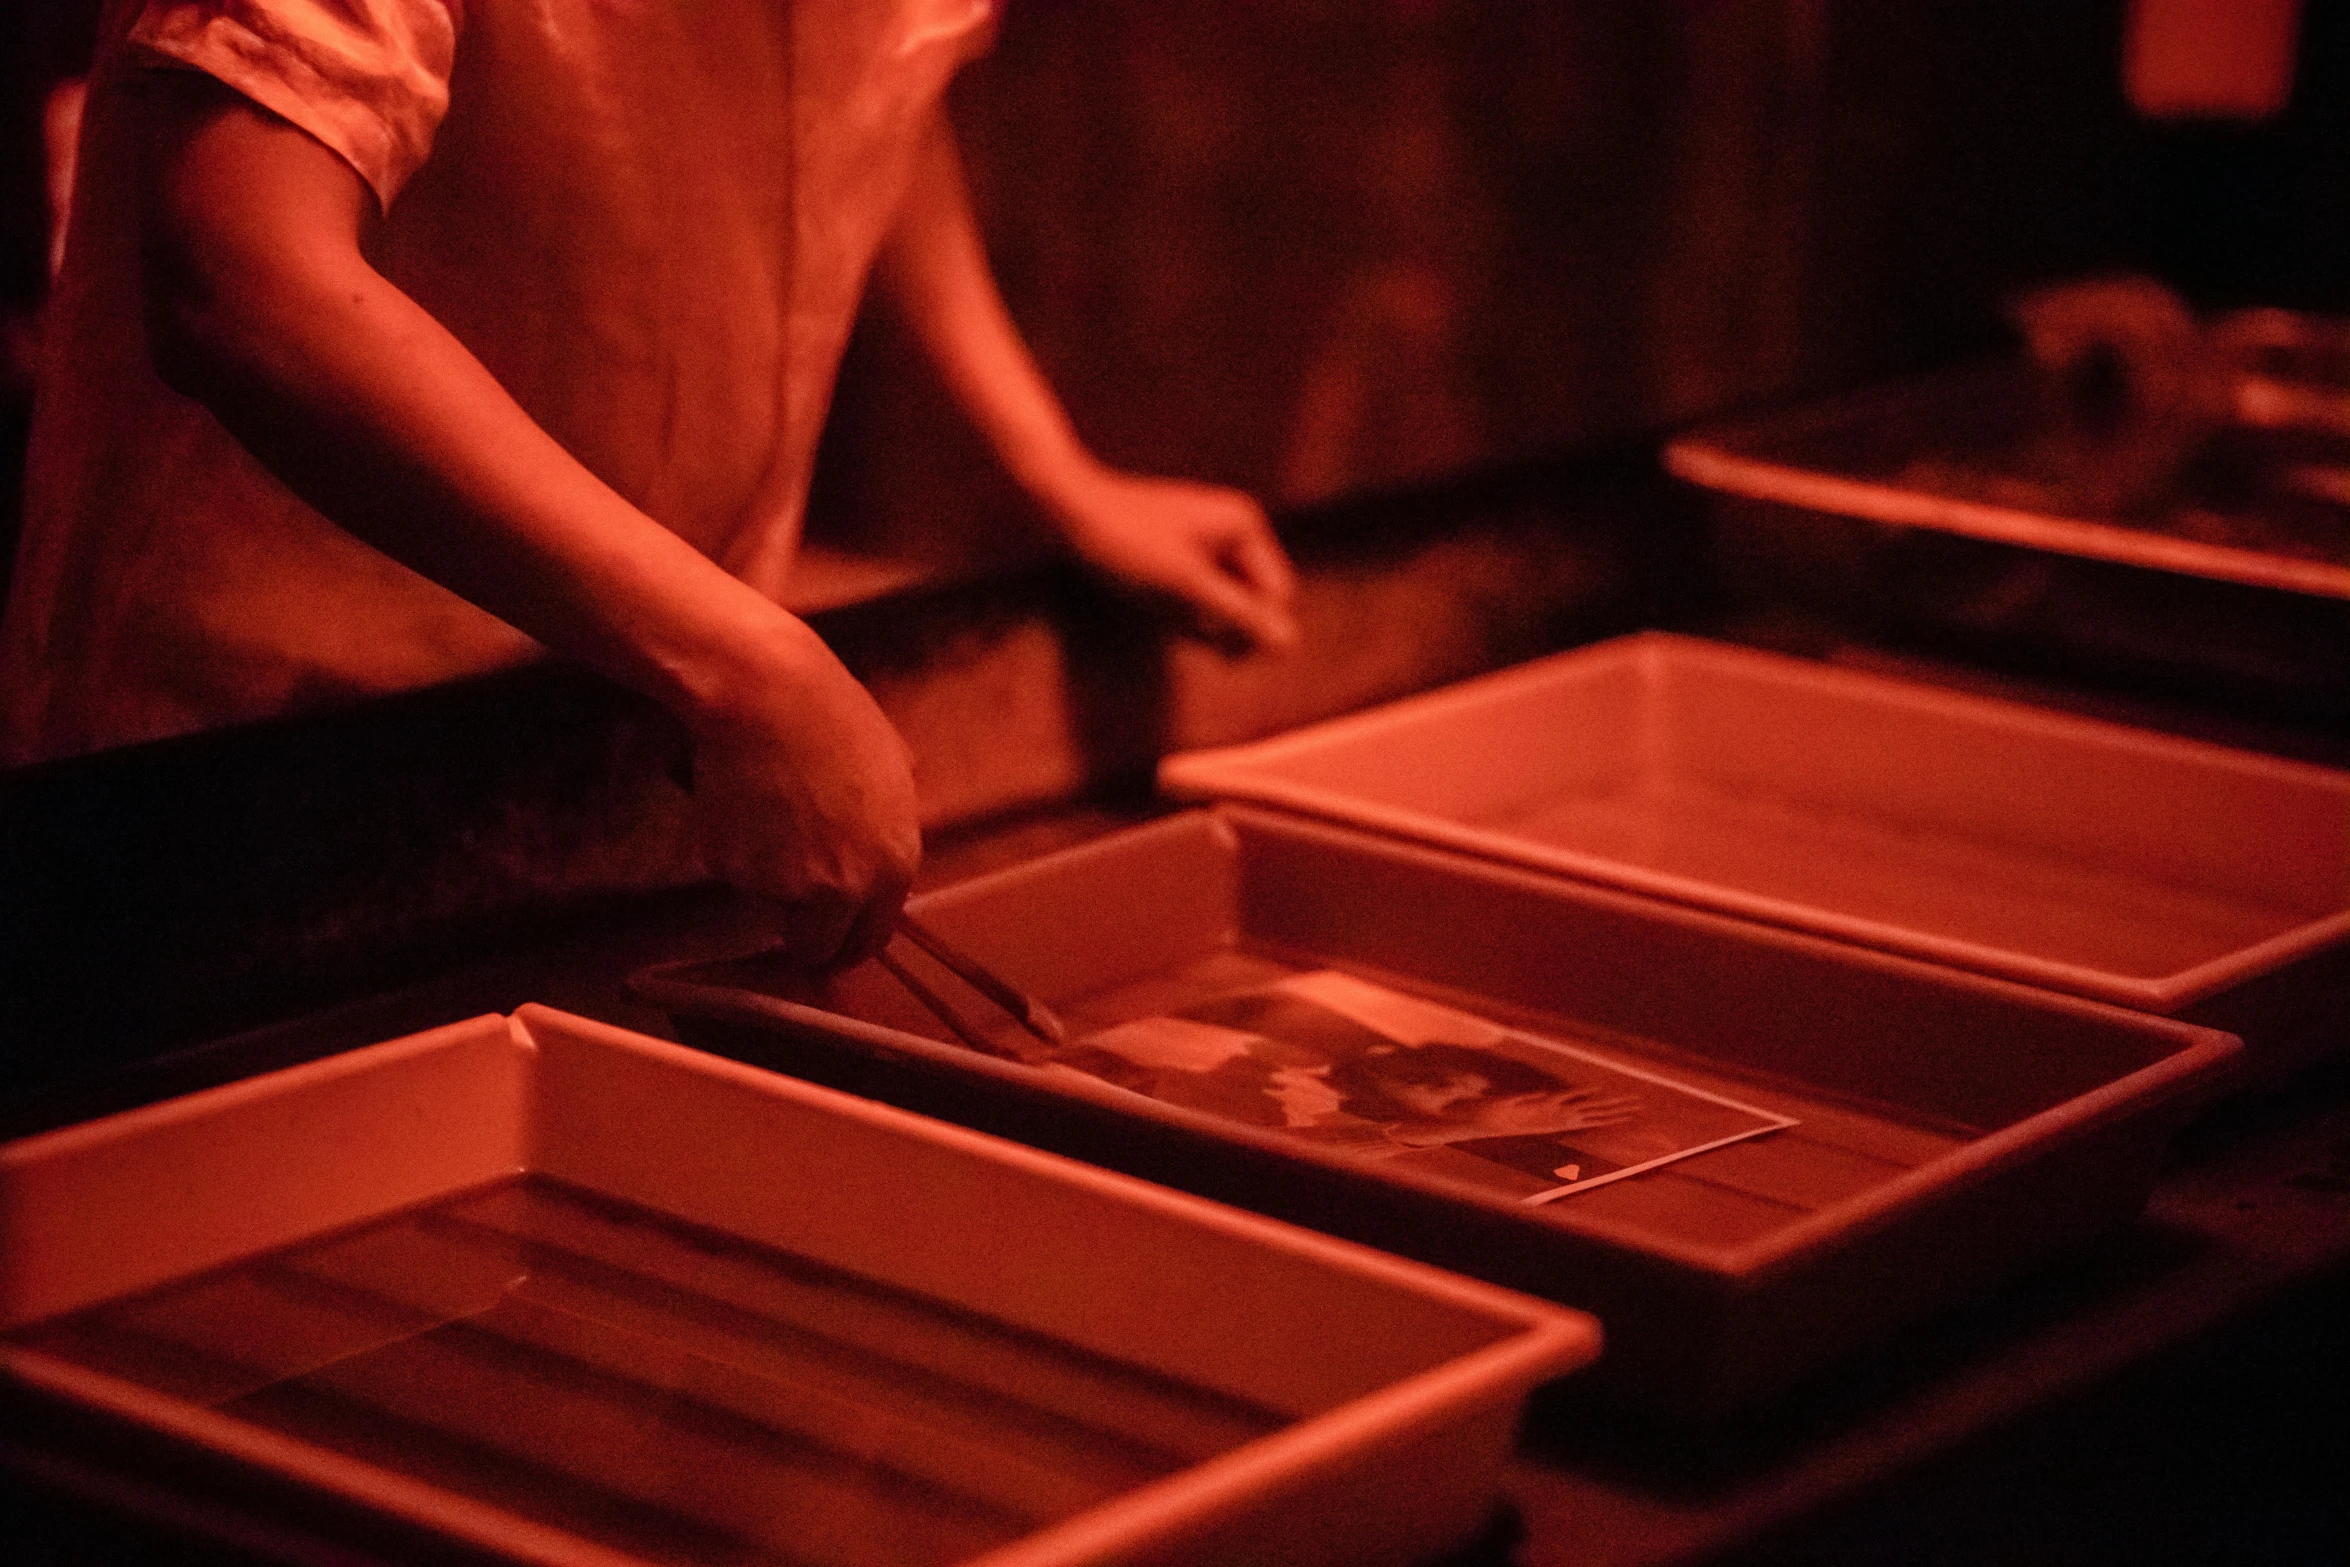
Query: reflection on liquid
{"x":656,"y":1388}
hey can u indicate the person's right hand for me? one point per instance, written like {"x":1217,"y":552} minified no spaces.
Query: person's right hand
{"x":261,"y":303}
{"x":804,"y":799}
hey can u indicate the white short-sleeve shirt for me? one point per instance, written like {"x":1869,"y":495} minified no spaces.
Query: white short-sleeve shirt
{"x":652,"y":222}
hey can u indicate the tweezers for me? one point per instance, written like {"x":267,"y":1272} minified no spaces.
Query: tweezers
{"x":1024,"y":1009}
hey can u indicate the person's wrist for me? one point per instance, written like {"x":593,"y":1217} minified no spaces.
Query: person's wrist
{"x":1067,"y":482}
{"x":744,"y":679}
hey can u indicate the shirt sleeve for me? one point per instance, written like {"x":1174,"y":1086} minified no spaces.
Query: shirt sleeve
{"x":369,"y":78}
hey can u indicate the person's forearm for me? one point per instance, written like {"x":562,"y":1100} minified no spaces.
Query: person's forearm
{"x":377,"y":416}
{"x":934,"y":269}
{"x":1207,"y":550}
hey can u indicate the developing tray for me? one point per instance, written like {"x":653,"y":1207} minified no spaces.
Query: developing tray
{"x":1953,"y":1129}
{"x":2160,"y":874}
{"x":1982,"y":453}
{"x":569,"y":1295}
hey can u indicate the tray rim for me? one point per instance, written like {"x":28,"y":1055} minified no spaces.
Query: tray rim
{"x":1226,"y":773}
{"x":1539,"y":1340}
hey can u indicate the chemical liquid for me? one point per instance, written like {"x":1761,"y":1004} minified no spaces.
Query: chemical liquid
{"x":660,"y":1389}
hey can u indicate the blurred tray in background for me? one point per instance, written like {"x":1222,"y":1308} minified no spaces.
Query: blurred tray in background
{"x":2143,"y":500}
{"x":1977,"y":452}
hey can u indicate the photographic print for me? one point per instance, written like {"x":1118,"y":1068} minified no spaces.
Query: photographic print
{"x":1338,"y":1061}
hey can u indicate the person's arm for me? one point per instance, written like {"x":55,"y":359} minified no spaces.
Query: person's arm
{"x":1208,"y":549}
{"x":261,"y":305}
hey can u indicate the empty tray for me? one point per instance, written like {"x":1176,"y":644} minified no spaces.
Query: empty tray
{"x":2166,"y":875}
{"x":576,"y":1296}
{"x":1952,"y":1129}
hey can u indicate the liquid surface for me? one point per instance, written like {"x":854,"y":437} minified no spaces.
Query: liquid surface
{"x":2112,"y":920}
{"x":660,"y":1389}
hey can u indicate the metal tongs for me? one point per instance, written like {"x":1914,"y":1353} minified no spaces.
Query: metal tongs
{"x":1023,"y":1008}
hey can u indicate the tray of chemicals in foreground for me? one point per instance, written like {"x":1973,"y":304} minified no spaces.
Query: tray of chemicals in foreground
{"x":542,"y":1289}
{"x":1749,"y":1151}
{"x":2150,"y":872}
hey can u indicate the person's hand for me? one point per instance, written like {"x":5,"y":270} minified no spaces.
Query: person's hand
{"x":804,"y":799}
{"x":1207,"y":551}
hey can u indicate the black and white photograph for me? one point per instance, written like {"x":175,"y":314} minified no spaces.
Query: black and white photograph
{"x":1339,"y":1061}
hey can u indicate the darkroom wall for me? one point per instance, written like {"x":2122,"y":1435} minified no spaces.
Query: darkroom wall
{"x":1323,"y":247}
{"x":1327,"y":247}
{"x":1319,"y":247}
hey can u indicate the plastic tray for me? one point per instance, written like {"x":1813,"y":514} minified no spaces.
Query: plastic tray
{"x":1974,"y":452}
{"x":1954,"y":1128}
{"x":2166,"y":875}
{"x":878,"y":1337}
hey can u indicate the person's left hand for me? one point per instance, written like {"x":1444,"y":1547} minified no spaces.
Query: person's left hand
{"x":1207,"y":551}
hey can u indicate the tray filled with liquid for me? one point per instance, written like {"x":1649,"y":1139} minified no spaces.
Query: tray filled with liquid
{"x":565,"y":1294}
{"x":1751,"y":1152}
{"x":2160,"y":874}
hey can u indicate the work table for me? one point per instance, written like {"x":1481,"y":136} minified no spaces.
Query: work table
{"x":2171,"y":1393}
{"x":2072,"y":1402}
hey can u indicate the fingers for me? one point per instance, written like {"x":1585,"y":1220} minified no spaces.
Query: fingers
{"x":810,"y":930}
{"x":832,"y":930}
{"x":1211,"y":550}
{"x":1236,"y":531}
{"x":1238,"y":581}
{"x":1253,"y":560}
{"x":872,"y":928}
{"x":1261,"y":561}
{"x":1236,"y":615}
{"x":1273,"y":584}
